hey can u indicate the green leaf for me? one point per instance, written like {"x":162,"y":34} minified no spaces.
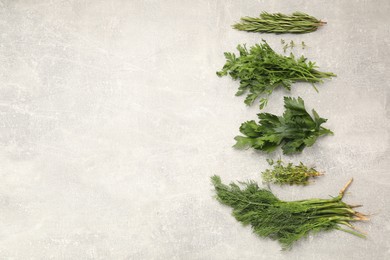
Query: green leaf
{"x":250,"y":99}
{"x":293,"y":146}
{"x":309,"y":141}
{"x":295,"y":106}
{"x":263,"y":102}
{"x":269,"y":147}
{"x":242,"y":142}
{"x":249,"y":129}
{"x":270,"y":161}
{"x":221,"y":73}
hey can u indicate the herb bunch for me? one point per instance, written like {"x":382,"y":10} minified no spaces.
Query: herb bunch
{"x":294,"y":130}
{"x":278,"y":23}
{"x":288,"y":173}
{"x":286,"y":221}
{"x":260,"y":70}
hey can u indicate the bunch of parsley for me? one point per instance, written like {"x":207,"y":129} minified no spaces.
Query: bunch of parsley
{"x":294,"y":130}
{"x":260,"y":70}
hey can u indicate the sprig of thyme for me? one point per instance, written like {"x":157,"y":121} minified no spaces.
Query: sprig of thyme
{"x":261,"y":70}
{"x":278,"y":23}
{"x":288,"y":173}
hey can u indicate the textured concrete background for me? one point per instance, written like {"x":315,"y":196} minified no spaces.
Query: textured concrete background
{"x":112,"y":120}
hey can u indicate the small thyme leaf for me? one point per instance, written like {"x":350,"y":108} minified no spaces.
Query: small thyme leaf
{"x":285,"y":47}
{"x":294,"y":130}
{"x":278,"y":23}
{"x":292,"y":44}
{"x":286,"y":221}
{"x":303,"y":45}
{"x":289,"y":174}
{"x":260,"y":70}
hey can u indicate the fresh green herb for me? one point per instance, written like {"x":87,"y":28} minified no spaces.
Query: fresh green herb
{"x":289,"y":174}
{"x":286,"y":221}
{"x":261,"y":70}
{"x":290,"y":45}
{"x":285,"y":47}
{"x":295,"y":130}
{"x":279,"y":23}
{"x":303,"y":45}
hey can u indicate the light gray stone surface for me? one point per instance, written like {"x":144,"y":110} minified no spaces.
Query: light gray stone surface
{"x":112,"y":120}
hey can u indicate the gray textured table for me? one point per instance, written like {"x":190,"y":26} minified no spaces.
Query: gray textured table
{"x":112,"y":121}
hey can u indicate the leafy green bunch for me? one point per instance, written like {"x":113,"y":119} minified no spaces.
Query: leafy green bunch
{"x":260,"y":70}
{"x":298,"y":22}
{"x":286,"y":221}
{"x":294,"y":130}
{"x":288,"y":173}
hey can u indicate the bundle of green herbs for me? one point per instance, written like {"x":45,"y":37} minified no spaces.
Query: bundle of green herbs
{"x":283,"y":173}
{"x":286,"y":221}
{"x":298,"y":22}
{"x":294,"y":130}
{"x":260,"y":70}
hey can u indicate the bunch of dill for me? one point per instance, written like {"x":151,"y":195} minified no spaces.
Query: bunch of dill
{"x":260,"y":70}
{"x":288,"y":173}
{"x":286,"y":221}
{"x":279,"y":23}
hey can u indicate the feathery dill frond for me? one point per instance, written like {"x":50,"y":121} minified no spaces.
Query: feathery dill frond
{"x":286,"y":221}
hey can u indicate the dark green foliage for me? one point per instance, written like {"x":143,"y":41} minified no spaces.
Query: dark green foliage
{"x":295,"y":130}
{"x":289,"y":173}
{"x":261,"y":70}
{"x":279,"y":23}
{"x":286,"y":221}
